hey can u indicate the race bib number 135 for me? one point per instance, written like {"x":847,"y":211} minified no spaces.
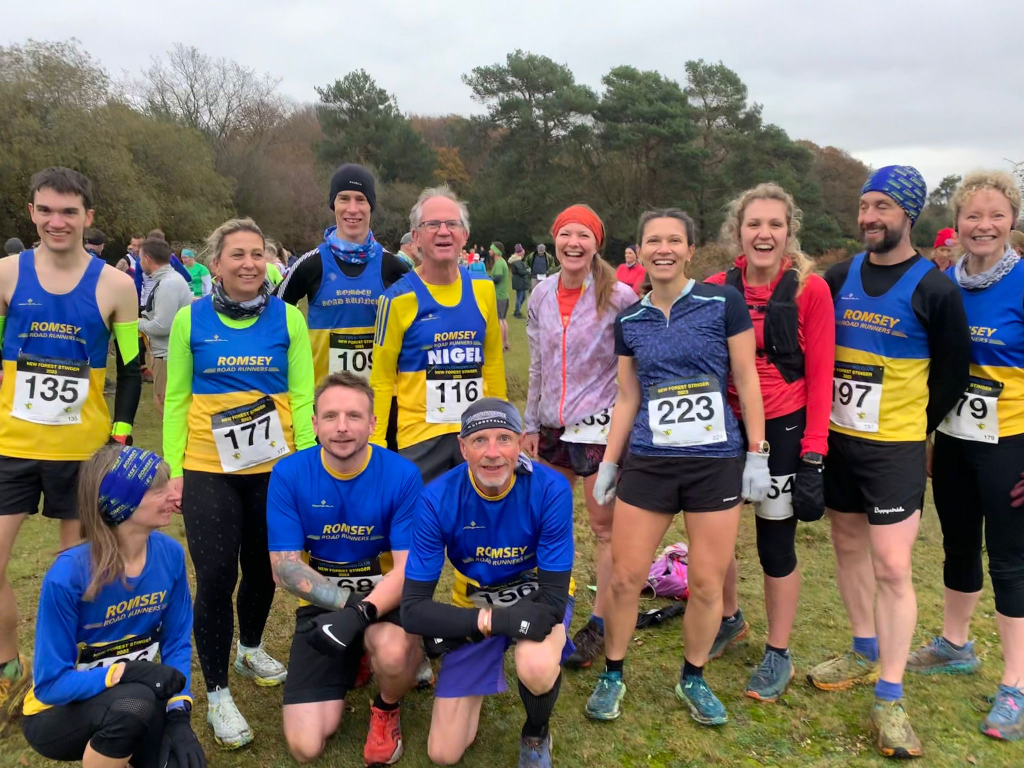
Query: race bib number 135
{"x":50,"y":390}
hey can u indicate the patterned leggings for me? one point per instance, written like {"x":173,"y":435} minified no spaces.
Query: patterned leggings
{"x":226,"y":524}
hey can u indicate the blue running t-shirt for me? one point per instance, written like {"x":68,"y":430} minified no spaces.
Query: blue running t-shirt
{"x":682,"y":364}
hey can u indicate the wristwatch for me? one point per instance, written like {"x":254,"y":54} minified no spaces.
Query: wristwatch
{"x":813,"y":458}
{"x":762,"y":447}
{"x":367,"y":610}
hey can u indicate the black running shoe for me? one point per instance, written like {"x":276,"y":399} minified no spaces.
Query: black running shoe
{"x":589,"y":643}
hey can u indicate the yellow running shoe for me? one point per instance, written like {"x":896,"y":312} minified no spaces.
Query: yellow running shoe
{"x":843,"y":672}
{"x":894,"y":736}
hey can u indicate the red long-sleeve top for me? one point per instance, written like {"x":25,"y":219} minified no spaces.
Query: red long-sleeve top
{"x":816,"y":326}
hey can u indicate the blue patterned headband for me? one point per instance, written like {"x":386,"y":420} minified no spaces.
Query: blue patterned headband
{"x":123,"y":487}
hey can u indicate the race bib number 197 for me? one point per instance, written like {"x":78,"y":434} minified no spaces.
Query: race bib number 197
{"x":857,"y":396}
{"x":50,"y":390}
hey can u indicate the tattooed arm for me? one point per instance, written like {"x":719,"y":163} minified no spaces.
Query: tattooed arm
{"x":299,"y":579}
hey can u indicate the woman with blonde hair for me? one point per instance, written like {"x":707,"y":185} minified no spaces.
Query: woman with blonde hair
{"x":239,"y":397}
{"x":572,"y":381}
{"x":108,"y":609}
{"x":979,"y":451}
{"x":794,"y":328}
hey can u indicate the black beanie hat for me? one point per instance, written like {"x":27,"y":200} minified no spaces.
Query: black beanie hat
{"x":356,"y":178}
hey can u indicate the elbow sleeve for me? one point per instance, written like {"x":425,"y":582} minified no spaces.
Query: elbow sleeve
{"x":554,"y":588}
{"x":422,"y":616}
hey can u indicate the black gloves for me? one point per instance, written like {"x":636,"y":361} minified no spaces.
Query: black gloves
{"x":332,"y":633}
{"x":180,"y":740}
{"x":1017,"y":493}
{"x":526,"y":620}
{"x":163,"y":680}
{"x":809,"y":491}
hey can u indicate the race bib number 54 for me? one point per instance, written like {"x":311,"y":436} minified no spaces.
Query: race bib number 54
{"x":50,"y":390}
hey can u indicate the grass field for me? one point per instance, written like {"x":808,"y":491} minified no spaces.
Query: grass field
{"x":807,"y":727}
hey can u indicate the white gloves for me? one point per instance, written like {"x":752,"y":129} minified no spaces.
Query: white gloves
{"x":757,"y":480}
{"x":604,"y":486}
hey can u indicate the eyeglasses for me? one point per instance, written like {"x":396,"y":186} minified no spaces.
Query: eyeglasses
{"x":434,"y":225}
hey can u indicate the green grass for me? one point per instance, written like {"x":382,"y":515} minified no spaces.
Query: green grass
{"x":807,"y":728}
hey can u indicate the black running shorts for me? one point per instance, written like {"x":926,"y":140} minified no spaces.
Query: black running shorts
{"x":672,"y":484}
{"x":885,"y":481}
{"x":24,"y":481}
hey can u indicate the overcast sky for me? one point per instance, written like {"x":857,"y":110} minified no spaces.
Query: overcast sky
{"x":935,"y":84}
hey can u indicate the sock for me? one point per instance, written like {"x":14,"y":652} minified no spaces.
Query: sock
{"x":781,"y":651}
{"x":598,"y":622}
{"x":12,"y":669}
{"x":954,"y":646}
{"x":732,"y":619}
{"x":689,"y":670}
{"x":888,"y":691}
{"x":244,"y":649}
{"x":379,"y":703}
{"x":538,"y":709}
{"x":614,"y":666}
{"x":218,"y":695}
{"x":866,"y":647}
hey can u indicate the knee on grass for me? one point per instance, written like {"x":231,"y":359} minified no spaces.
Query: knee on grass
{"x":445,"y":751}
{"x":305,"y":744}
{"x":537,"y":671}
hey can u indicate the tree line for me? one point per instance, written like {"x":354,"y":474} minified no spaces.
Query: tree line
{"x":191,"y":139}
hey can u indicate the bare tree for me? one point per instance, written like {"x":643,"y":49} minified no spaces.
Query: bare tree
{"x":218,"y":97}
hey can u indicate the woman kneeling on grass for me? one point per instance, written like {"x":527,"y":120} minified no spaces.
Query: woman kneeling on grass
{"x":677,"y":347}
{"x":107,"y":609}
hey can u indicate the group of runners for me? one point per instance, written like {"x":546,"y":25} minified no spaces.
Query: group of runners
{"x":368,"y":444}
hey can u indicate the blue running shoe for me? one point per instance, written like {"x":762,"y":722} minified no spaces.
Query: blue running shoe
{"x":939,"y":657}
{"x":535,"y":753}
{"x":729,"y":633}
{"x":1006,"y":719}
{"x":704,"y":706}
{"x":770,"y":680}
{"x":603,"y":703}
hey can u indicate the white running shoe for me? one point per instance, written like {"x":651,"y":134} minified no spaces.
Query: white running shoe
{"x":259,"y":665}
{"x":230,"y":729}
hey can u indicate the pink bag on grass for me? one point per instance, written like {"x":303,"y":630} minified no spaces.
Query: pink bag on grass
{"x":668,"y":573}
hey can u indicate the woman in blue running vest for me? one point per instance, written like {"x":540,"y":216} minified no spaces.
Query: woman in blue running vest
{"x":113,"y":655}
{"x":979,"y":451}
{"x":677,"y":348}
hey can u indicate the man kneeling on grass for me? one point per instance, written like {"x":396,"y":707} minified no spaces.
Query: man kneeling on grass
{"x":339,"y":518}
{"x":506,"y":525}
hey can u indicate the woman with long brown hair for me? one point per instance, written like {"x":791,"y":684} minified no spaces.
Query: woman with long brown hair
{"x":794,"y":327}
{"x":108,"y":609}
{"x":572,"y":382}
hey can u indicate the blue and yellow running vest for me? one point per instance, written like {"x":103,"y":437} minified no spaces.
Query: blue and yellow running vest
{"x":240,"y":419}
{"x":440,"y":366}
{"x":55,"y":365}
{"x":993,"y":405}
{"x":341,"y":318}
{"x":880,"y":384}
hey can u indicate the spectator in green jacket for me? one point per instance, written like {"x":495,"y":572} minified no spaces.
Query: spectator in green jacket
{"x":497,"y":268}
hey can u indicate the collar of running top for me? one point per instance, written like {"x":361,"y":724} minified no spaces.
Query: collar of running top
{"x":989,"y":277}
{"x":352,"y":253}
{"x":646,"y":300}
{"x":124,"y":485}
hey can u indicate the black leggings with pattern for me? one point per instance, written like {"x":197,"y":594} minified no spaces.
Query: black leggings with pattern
{"x":226,"y":525}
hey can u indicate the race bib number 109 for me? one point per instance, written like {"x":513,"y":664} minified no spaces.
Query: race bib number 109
{"x":50,"y":390}
{"x":352,"y":352}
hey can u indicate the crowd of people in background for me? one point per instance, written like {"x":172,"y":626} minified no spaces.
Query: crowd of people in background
{"x":350,"y":454}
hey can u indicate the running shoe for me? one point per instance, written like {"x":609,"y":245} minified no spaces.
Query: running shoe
{"x":729,"y":633}
{"x":771,"y":679}
{"x":1006,"y":718}
{"x":259,"y":665}
{"x":12,"y":695}
{"x":589,"y":642}
{"x":384,"y":741}
{"x":939,"y":657}
{"x":891,"y":727}
{"x":603,"y":703}
{"x":230,"y":730}
{"x":365,"y":673}
{"x":535,"y":753}
{"x":704,"y":706}
{"x":425,"y":674}
{"x":843,"y":672}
